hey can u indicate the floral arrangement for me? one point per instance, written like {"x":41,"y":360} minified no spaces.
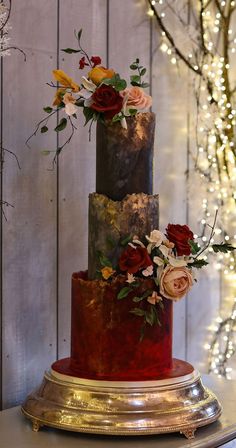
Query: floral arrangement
{"x":167,"y":259}
{"x":102,"y":94}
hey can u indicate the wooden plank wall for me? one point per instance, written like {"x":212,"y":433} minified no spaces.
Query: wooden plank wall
{"x":45,"y":236}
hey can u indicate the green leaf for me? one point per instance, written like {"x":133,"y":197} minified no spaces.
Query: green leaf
{"x":150,"y":317}
{"x":138,"y":299}
{"x":143,"y":71}
{"x":133,"y":111}
{"x":48,"y":109}
{"x":43,"y":129}
{"x":145,"y":84}
{"x":194,"y":247}
{"x":156,"y":281}
{"x":46,"y":152}
{"x":62,"y":125}
{"x":133,"y":66}
{"x":135,"y":78}
{"x":120,"y":85}
{"x":117,"y":117}
{"x":104,"y":261}
{"x":198,"y":263}
{"x":137,"y":61}
{"x":138,"y":312}
{"x":223,"y":247}
{"x":110,"y":242}
{"x":126,"y":240}
{"x":124,"y":292}
{"x":70,"y":50}
{"x":80,"y":34}
{"x":89,"y":114}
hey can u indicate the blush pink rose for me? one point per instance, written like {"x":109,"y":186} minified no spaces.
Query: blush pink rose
{"x":175,"y":282}
{"x":135,"y":98}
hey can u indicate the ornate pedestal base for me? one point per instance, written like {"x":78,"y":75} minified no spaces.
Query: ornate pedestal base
{"x":122,"y":408}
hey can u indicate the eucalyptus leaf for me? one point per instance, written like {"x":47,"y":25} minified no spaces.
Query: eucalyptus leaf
{"x":62,"y":125}
{"x":138,"y":312}
{"x":43,"y":129}
{"x":124,"y":292}
{"x":48,"y":109}
{"x":126,"y":240}
{"x":70,"y":50}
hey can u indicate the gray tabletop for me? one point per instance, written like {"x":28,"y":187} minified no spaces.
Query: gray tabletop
{"x":15,"y":430}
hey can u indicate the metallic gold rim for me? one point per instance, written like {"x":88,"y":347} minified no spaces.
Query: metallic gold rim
{"x":92,"y":408}
{"x":124,"y":384}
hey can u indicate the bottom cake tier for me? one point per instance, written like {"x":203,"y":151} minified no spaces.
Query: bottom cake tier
{"x":105,"y":334}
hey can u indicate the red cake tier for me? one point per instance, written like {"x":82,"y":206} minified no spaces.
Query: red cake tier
{"x":105,"y":335}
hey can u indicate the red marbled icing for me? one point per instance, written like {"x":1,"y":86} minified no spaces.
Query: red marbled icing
{"x":105,"y":335}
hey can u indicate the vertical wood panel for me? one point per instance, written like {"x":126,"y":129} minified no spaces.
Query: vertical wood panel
{"x":77,"y":163}
{"x":171,"y":159}
{"x":29,"y":235}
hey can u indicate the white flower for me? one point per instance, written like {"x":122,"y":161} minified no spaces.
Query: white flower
{"x":164,"y":250}
{"x":86,"y":94}
{"x":130,"y":278}
{"x":123,"y":123}
{"x":177,"y":262}
{"x":70,"y":109}
{"x":136,"y":241}
{"x":148,"y":271}
{"x":156,"y":238}
{"x":158,"y":260}
{"x":88,"y":85}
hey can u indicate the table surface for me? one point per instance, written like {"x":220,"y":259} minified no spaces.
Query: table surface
{"x":16,"y":430}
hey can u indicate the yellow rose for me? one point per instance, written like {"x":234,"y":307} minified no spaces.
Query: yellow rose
{"x":97,"y":74}
{"x":65,"y":80}
{"x":107,"y":272}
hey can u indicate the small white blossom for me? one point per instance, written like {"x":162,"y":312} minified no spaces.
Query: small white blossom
{"x":158,"y":260}
{"x":148,"y":271}
{"x":156,"y":238}
{"x":130,"y":278}
{"x":70,"y":109}
{"x":123,"y":123}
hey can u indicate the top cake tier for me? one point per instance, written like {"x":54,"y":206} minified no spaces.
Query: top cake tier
{"x":124,"y":159}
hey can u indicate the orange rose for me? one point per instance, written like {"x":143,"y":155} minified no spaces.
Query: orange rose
{"x":175,"y":282}
{"x":97,"y":74}
{"x":107,"y":271}
{"x":136,"y":98}
{"x":58,"y":96}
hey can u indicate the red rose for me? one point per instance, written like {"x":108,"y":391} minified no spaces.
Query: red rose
{"x":82,"y":63}
{"x":180,"y":236}
{"x":107,"y":100}
{"x":131,"y":260}
{"x":96,"y":60}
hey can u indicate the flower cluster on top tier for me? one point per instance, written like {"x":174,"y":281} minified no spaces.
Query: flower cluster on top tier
{"x":102,"y":94}
{"x":167,"y":259}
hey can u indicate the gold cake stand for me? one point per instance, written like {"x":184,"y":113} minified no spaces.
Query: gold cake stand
{"x":179,"y":404}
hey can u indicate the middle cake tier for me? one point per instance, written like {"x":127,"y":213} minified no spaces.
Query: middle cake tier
{"x":112,"y":222}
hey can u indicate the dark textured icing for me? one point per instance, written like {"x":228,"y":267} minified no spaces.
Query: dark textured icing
{"x":124,"y":159}
{"x":136,"y":214}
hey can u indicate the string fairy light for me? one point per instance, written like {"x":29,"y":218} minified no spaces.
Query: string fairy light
{"x":208,"y":58}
